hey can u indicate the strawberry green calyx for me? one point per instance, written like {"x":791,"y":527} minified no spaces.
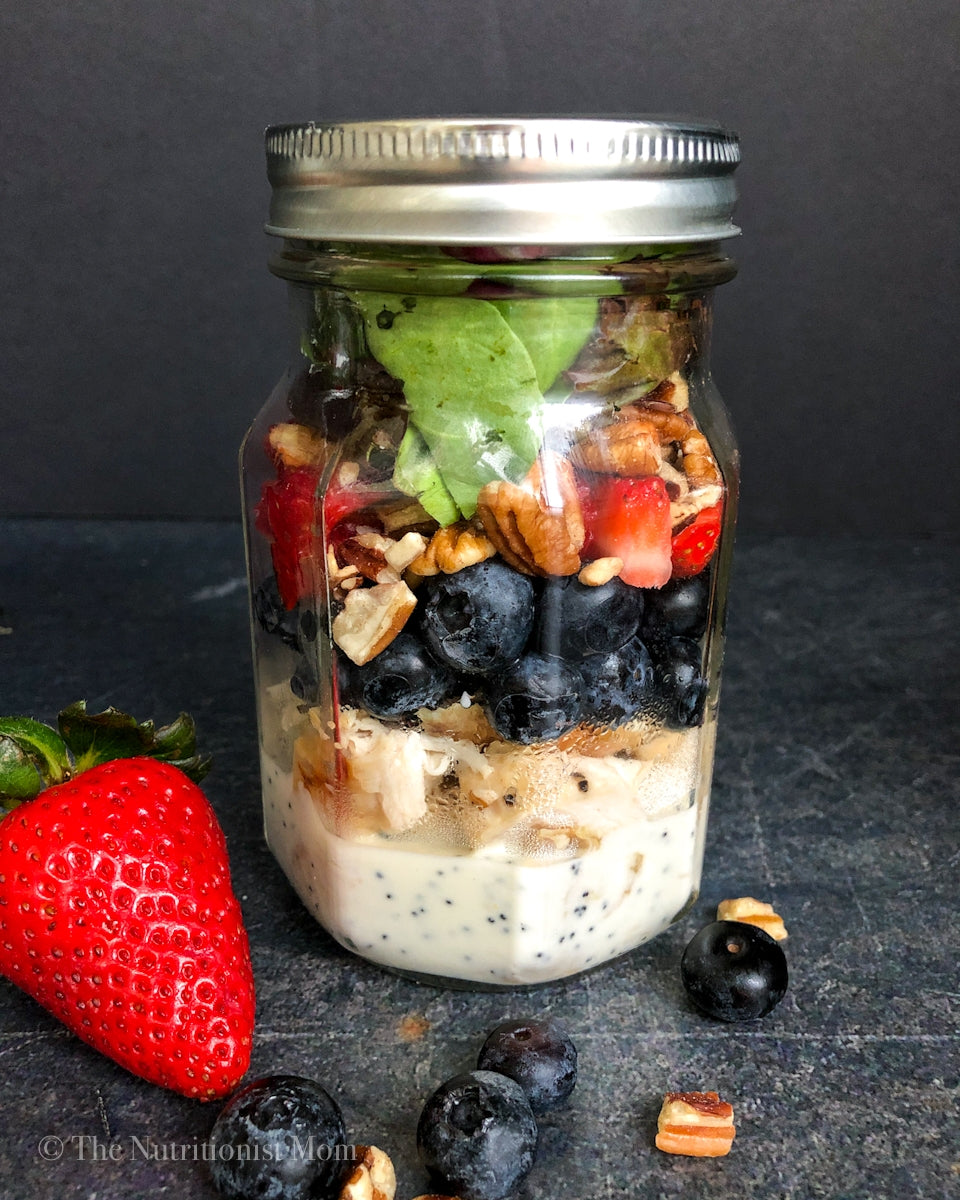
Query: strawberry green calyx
{"x":95,"y":738}
{"x":34,"y":756}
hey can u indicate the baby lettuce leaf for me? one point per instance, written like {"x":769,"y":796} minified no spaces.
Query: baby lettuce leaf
{"x":469,"y":383}
{"x":416,"y":474}
{"x":554,"y":329}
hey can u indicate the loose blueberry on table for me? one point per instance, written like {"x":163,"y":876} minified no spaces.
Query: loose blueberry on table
{"x":734,"y":971}
{"x":280,"y":1137}
{"x":477,"y":1136}
{"x":539,"y":1055}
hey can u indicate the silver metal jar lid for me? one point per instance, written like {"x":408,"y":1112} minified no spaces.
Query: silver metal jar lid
{"x":538,"y":181}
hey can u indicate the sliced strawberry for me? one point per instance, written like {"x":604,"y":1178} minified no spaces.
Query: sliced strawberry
{"x":629,"y":519}
{"x":341,"y":502}
{"x":287,"y":515}
{"x":694,"y":545}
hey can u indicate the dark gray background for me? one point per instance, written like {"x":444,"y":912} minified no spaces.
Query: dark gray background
{"x":141,"y":331}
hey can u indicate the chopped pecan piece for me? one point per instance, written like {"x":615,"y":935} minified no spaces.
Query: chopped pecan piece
{"x":680,"y":396}
{"x":398,"y":552}
{"x":348,"y":473}
{"x":372,"y":1176}
{"x":537,"y":525}
{"x":371,"y":619}
{"x":600,"y":571}
{"x":370,"y":561}
{"x":671,"y":426}
{"x":453,"y":548}
{"x":296,"y":445}
{"x":338,"y":576}
{"x":686,"y":507}
{"x":699,"y":465}
{"x":753,"y":912}
{"x":567,"y":839}
{"x":676,"y":481}
{"x":698,"y":1124}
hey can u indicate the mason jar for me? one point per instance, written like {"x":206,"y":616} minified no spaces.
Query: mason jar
{"x":489,"y":516}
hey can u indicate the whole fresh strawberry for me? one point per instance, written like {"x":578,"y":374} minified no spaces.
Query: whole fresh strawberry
{"x":116,"y":910}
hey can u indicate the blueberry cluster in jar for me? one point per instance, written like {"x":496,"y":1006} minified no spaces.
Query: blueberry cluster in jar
{"x":541,"y":657}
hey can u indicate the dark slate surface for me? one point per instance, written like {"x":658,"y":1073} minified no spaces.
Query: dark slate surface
{"x":836,"y":798}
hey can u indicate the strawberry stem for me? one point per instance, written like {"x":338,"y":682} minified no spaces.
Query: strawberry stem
{"x":34,"y":756}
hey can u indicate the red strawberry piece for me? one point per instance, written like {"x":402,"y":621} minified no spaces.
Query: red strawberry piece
{"x":629,"y":519}
{"x":341,"y":502}
{"x":694,"y":545}
{"x":287,"y":515}
{"x":117,"y":915}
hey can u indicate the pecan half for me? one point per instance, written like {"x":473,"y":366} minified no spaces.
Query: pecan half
{"x":671,"y":426}
{"x":536,"y":525}
{"x":626,"y":448}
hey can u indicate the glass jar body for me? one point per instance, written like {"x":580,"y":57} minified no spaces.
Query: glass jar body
{"x":489,"y":518}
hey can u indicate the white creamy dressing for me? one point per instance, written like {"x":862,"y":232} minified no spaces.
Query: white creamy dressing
{"x":487,"y":916}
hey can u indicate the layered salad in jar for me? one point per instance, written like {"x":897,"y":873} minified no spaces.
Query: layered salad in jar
{"x":484,"y":546}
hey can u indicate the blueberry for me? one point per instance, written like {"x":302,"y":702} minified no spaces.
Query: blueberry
{"x":398,"y":681}
{"x":576,"y":620}
{"x":618,"y":685}
{"x":539,"y":1055}
{"x":477,"y":620}
{"x":733,"y":971}
{"x":680,"y":683}
{"x":477,"y":1136}
{"x":534,"y":699}
{"x":307,"y":626}
{"x":305,"y":682}
{"x":678,"y":609}
{"x":273,"y":616}
{"x":278,"y":1138}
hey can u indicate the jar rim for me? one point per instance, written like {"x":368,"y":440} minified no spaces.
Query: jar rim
{"x":534,"y":181}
